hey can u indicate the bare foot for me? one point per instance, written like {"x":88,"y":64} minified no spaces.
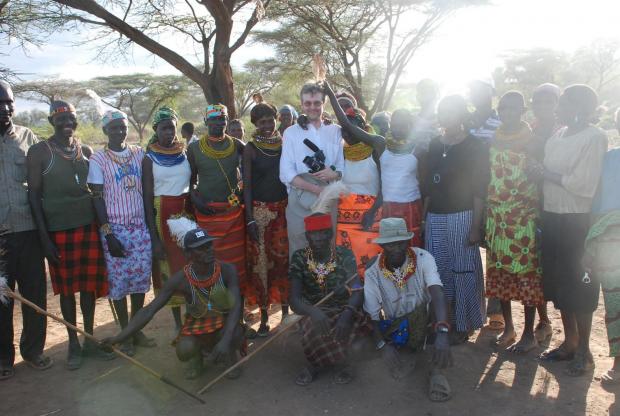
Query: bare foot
{"x":543,"y":331}
{"x":526,"y":344}
{"x":506,"y":338}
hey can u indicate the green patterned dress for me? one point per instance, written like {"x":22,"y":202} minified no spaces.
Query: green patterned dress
{"x":513,"y":269}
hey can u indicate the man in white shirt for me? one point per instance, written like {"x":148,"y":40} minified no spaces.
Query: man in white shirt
{"x":398,"y":285}
{"x":304,"y":187}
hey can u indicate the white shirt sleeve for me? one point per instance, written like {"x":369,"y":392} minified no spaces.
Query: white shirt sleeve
{"x":95,"y":173}
{"x":428,"y":267}
{"x":287,"y":160}
{"x":339,"y":162}
{"x":372,"y":297}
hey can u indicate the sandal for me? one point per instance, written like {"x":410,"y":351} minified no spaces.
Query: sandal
{"x":343,"y":375}
{"x":40,"y":362}
{"x":251,"y":333}
{"x":307,"y":376}
{"x":74,"y":358}
{"x":127,"y":348}
{"x":263,"y":331}
{"x":438,"y":387}
{"x":90,"y":349}
{"x":610,"y":378}
{"x":496,"y":322}
{"x":556,"y":354}
{"x":141,"y":340}
{"x":6,"y":372}
{"x":581,"y":364}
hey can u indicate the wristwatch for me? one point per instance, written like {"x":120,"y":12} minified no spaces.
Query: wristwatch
{"x":380,"y":344}
{"x":442,"y":329}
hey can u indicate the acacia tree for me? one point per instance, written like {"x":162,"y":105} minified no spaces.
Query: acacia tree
{"x":349,"y":34}
{"x":160,"y":26}
{"x":257,"y":77}
{"x":138,"y":95}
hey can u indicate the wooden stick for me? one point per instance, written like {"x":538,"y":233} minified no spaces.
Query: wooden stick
{"x":267,"y":342}
{"x":6,"y":290}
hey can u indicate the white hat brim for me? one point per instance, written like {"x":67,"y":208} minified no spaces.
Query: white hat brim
{"x":386,"y":240}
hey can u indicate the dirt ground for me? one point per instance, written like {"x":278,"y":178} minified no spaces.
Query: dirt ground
{"x":483,"y":380}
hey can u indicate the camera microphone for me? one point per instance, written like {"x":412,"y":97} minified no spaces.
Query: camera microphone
{"x":311,"y":145}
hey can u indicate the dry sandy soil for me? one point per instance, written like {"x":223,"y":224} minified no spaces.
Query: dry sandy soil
{"x":484,"y":381}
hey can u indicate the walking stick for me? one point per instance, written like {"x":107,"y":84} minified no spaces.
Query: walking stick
{"x":5,"y":292}
{"x":268,"y":341}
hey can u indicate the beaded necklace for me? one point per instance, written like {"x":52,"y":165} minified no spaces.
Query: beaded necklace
{"x":166,"y":156}
{"x":397,"y":145}
{"x":202,"y":283}
{"x":399,"y":277}
{"x":268,"y":143}
{"x":212,"y":153}
{"x":124,"y":164}
{"x":358,"y":151}
{"x":74,"y":154}
{"x":320,"y":270}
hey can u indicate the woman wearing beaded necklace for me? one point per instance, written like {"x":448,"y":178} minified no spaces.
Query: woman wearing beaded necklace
{"x":115,"y":178}
{"x":265,"y":200}
{"x":166,"y":175}
{"x":216,"y":190}
{"x":63,"y":210}
{"x":455,"y":186}
{"x":358,"y":212}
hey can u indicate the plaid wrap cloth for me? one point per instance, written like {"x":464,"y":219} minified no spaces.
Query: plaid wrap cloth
{"x":82,"y":266}
{"x":327,"y":351}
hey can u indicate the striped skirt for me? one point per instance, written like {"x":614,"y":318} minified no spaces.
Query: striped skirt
{"x":459,"y":266}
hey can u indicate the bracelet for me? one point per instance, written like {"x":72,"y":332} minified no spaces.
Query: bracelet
{"x":105,"y":229}
{"x":251,"y":222}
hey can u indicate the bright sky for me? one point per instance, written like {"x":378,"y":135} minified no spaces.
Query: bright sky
{"x":469,"y":45}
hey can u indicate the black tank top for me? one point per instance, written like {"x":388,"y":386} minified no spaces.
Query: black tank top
{"x":266,"y":185}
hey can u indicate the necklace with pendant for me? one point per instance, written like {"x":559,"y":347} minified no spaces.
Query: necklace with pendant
{"x":320,"y":270}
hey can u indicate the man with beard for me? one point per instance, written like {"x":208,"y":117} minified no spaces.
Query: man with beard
{"x":23,"y":255}
{"x":304,"y":184}
{"x":63,"y":210}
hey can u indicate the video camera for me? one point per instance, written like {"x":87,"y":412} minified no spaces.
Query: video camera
{"x":315,"y":162}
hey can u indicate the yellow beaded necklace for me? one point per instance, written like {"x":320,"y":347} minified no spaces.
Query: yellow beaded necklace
{"x":212,"y":153}
{"x":358,"y":151}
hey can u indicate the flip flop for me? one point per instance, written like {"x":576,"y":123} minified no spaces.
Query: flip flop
{"x":40,"y":362}
{"x":438,"y":387}
{"x":74,"y":359}
{"x":610,"y":378}
{"x":504,"y":342}
{"x":90,"y":349}
{"x":128,"y":348}
{"x":556,"y":354}
{"x":307,"y":376}
{"x":517,"y":348}
{"x":581,"y":364}
{"x":343,"y":376}
{"x":6,"y":372}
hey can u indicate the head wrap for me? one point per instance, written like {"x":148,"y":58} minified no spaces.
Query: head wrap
{"x":215,"y":111}
{"x":164,"y":113}
{"x":58,"y":107}
{"x":318,"y":222}
{"x":112,"y":115}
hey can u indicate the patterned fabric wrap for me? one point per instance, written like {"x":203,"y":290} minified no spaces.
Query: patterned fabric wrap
{"x":82,"y":264}
{"x":411,"y":212}
{"x":513,"y":266}
{"x":268,"y":257}
{"x":459,"y":265}
{"x":324,"y":351}
{"x":349,"y":231}
{"x":602,"y":245}
{"x":132,"y":273}
{"x":311,"y":289}
{"x":228,"y":225}
{"x":164,"y":113}
{"x":112,"y":115}
{"x":165,"y":208}
{"x":202,"y":326}
{"x":408,"y":330}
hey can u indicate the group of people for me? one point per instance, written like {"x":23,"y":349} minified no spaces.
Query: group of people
{"x":362,"y":227}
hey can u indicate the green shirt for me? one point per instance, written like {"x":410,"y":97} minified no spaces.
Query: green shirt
{"x":216,"y":177}
{"x":312,"y":291}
